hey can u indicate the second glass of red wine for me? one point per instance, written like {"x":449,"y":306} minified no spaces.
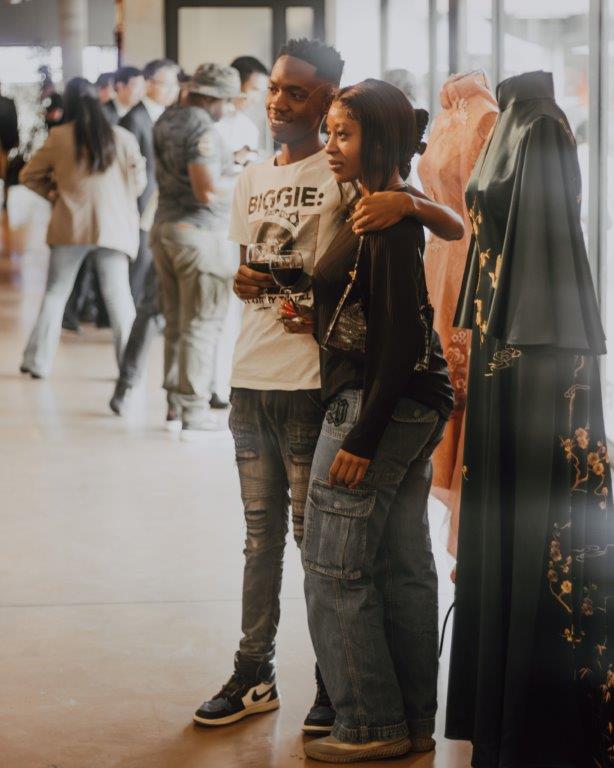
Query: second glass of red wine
{"x":287,"y":270}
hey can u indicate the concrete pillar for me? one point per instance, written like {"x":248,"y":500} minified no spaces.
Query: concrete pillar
{"x":73,"y":36}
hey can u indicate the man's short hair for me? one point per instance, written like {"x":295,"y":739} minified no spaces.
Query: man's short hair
{"x":326,"y":59}
{"x":105,"y":80}
{"x":153,"y":67}
{"x":125,"y":74}
{"x":247,"y":65}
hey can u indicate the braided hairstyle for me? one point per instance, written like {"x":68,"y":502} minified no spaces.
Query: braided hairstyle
{"x":392,"y":130}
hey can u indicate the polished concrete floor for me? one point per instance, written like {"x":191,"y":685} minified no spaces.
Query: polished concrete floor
{"x":120,"y":568}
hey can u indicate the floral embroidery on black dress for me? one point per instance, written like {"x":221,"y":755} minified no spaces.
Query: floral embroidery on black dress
{"x":582,"y":599}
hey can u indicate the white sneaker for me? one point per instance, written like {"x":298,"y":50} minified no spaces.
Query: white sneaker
{"x":195,"y":433}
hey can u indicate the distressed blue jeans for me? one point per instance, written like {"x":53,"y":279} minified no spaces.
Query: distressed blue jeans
{"x":370,"y":577}
{"x":275,"y":434}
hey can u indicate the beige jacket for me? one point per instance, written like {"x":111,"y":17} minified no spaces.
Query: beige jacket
{"x":90,"y":209}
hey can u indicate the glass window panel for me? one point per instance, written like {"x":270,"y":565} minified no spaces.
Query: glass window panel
{"x":358,"y":38}
{"x":607,"y":268}
{"x":98,"y":59}
{"x":475,"y":36}
{"x":299,"y":22}
{"x":554,"y":37}
{"x":221,"y":34}
{"x":408,"y":45}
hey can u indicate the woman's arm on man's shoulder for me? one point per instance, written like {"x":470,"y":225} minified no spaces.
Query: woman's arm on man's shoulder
{"x":383,"y":209}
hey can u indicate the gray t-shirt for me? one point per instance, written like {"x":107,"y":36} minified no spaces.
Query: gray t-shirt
{"x":185,"y":135}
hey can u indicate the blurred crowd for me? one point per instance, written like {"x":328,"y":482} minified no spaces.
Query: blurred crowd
{"x":119,"y":253}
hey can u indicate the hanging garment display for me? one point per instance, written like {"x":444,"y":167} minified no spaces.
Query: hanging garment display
{"x":531,"y":682}
{"x":455,"y":141}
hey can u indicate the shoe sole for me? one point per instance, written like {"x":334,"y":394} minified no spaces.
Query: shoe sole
{"x":394,"y":750}
{"x":257,"y":709}
{"x":324,"y":730}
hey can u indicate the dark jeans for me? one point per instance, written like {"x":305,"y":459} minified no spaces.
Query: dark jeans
{"x":370,"y":577}
{"x":145,"y":328}
{"x":139,"y":268}
{"x":275,"y":435}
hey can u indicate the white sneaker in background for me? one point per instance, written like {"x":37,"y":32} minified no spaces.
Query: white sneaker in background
{"x":192,"y":433}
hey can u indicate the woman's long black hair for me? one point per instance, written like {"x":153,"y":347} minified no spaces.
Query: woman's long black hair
{"x":392,"y":130}
{"x":94,"y":138}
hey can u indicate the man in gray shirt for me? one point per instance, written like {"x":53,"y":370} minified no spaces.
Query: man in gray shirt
{"x":189,"y":240}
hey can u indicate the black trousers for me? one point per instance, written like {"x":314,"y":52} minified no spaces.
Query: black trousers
{"x":139,"y":268}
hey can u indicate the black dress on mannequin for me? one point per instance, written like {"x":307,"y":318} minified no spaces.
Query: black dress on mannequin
{"x":529,"y":678}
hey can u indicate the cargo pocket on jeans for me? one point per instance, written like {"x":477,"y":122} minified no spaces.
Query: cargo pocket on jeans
{"x":336,"y":534}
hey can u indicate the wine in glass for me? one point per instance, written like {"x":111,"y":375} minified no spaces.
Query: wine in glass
{"x":258,"y":258}
{"x":287,"y":270}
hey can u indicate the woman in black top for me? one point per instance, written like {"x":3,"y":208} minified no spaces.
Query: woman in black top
{"x":370,"y":582}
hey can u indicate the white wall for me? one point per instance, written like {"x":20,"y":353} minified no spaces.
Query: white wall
{"x":143,"y":31}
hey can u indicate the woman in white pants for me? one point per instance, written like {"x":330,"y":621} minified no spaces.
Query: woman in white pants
{"x":92,"y":173}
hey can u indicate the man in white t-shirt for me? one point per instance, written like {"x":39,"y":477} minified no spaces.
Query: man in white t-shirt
{"x":290,"y":201}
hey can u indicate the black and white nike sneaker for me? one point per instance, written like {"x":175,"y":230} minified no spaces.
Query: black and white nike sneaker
{"x":321,"y":716}
{"x":250,"y":691}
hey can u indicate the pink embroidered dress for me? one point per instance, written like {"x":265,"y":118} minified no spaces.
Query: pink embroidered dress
{"x":456,"y":140}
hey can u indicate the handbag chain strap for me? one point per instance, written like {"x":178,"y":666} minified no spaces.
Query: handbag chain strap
{"x":353,"y":273}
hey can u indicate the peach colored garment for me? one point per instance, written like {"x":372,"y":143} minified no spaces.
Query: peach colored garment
{"x":457,"y":137}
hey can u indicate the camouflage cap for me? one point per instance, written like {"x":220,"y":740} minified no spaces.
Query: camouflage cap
{"x":216,"y":81}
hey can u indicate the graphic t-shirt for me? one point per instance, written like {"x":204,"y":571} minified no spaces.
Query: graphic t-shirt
{"x":294,"y":207}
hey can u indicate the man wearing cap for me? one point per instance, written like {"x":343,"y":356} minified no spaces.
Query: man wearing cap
{"x":193,"y":258}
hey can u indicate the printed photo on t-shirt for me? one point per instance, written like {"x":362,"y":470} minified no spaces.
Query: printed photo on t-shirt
{"x":287,"y":219}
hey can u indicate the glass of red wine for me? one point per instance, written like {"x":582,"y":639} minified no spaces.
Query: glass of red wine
{"x":287,"y":270}
{"x":258,"y":258}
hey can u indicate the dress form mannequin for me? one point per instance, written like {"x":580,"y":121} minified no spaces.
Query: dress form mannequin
{"x":456,"y":140}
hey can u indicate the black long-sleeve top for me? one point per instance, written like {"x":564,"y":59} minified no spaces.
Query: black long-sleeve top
{"x":391,"y":286}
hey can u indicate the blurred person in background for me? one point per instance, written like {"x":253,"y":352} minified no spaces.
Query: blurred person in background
{"x":85,"y":302}
{"x":190,"y":242}
{"x":9,"y":133}
{"x":129,"y":85}
{"x":184,"y":79}
{"x":403,"y":80}
{"x":92,"y":173}
{"x":242,"y":136}
{"x":51,"y":101}
{"x":162,"y":89}
{"x":105,"y":85}
{"x":237,"y":128}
